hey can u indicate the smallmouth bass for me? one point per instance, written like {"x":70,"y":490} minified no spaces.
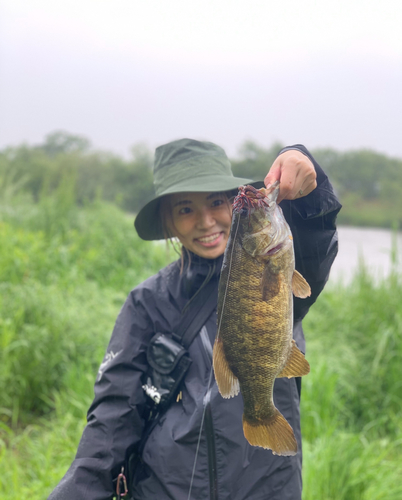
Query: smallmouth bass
{"x":255,"y":316}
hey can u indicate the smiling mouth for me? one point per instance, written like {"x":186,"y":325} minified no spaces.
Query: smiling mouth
{"x":208,"y":239}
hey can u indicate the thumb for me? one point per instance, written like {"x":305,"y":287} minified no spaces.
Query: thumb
{"x":274,"y":174}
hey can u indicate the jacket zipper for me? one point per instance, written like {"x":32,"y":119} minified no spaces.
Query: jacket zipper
{"x":209,"y":425}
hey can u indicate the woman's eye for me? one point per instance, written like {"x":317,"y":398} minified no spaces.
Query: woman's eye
{"x":184,"y":210}
{"x":217,"y":203}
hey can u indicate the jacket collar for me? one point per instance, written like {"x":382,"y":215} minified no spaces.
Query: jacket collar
{"x":196,"y":269}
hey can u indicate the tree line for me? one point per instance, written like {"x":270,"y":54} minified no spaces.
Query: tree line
{"x":368,"y":183}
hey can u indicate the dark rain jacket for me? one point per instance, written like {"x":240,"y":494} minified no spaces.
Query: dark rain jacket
{"x":227,"y":467}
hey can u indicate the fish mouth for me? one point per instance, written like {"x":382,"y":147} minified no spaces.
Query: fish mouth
{"x":274,"y":250}
{"x":249,"y":198}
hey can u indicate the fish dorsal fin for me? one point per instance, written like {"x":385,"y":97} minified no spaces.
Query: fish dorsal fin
{"x":300,"y":287}
{"x":296,"y":365}
{"x":228,"y":383}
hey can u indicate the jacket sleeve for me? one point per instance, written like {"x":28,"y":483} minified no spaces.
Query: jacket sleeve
{"x":312,"y":221}
{"x":115,"y":417}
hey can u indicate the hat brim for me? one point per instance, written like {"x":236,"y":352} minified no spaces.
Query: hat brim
{"x":148,"y":222}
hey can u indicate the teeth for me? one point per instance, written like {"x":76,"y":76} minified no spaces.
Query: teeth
{"x":208,"y":239}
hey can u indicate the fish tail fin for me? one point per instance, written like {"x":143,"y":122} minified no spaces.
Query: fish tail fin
{"x":274,"y":434}
{"x":228,"y":383}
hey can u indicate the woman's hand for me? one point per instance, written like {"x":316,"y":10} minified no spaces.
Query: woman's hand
{"x":296,"y":174}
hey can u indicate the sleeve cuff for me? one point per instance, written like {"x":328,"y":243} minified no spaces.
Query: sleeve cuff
{"x":294,"y":148}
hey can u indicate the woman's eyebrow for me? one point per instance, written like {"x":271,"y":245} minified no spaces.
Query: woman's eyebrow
{"x":182,"y":202}
{"x":214,"y":195}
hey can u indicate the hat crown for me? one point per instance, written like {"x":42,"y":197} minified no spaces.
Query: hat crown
{"x":188,"y":159}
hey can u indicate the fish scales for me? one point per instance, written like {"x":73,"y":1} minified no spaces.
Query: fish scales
{"x":269,"y":328}
{"x":255,"y":317}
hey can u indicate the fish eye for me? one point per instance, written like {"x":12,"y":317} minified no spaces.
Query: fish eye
{"x":244,"y":212}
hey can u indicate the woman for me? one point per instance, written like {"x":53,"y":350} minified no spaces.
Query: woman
{"x":192,"y":181}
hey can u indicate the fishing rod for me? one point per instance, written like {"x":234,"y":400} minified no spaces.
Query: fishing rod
{"x":212,"y":368}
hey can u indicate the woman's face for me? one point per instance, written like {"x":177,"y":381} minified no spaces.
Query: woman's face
{"x":201,"y":221}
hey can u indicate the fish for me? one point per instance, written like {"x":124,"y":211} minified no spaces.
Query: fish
{"x":254,"y":343}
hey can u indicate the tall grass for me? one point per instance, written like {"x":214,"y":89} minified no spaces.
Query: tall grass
{"x":352,"y":401}
{"x":64,"y":274}
{"x":347,"y":466}
{"x":356,"y":343}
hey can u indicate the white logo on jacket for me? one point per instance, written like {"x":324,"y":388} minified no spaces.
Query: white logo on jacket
{"x":109,"y":356}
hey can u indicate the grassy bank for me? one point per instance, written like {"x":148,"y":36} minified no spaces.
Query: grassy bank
{"x":65,"y":273}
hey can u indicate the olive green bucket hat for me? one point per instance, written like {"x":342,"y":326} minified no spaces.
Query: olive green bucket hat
{"x":184,"y":166}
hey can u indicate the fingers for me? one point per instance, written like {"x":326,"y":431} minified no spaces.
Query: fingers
{"x":296,"y":181}
{"x":274,"y":173}
{"x":296,"y":174}
{"x":308,"y":185}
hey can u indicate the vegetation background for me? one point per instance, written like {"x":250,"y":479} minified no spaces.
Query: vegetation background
{"x":368,"y":183}
{"x":68,"y":258}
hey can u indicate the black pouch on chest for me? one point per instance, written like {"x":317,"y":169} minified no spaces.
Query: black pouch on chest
{"x":168,"y":363}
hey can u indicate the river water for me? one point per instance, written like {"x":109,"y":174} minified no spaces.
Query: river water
{"x":372,"y":245}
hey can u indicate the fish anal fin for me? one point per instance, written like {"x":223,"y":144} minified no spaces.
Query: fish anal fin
{"x":228,"y":383}
{"x":273,"y":434}
{"x":300,"y":287}
{"x":296,"y":365}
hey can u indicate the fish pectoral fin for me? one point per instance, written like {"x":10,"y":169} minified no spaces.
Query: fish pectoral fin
{"x":273,"y":434}
{"x":300,"y":287}
{"x":228,"y":383}
{"x":296,"y":365}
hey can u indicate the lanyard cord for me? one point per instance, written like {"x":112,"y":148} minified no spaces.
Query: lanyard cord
{"x":211,"y":370}
{"x":229,"y":271}
{"x":211,"y":271}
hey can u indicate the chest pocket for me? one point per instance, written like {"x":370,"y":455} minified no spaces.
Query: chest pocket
{"x":168,"y":363}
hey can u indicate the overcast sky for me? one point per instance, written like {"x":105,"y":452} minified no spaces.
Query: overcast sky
{"x":323,"y":73}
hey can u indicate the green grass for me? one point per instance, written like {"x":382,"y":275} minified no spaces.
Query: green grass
{"x":347,"y":466}
{"x":355,"y":341}
{"x":352,"y":400}
{"x":62,"y":284}
{"x":65,"y":272}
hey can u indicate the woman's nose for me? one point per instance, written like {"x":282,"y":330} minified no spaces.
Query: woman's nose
{"x":205,"y":219}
